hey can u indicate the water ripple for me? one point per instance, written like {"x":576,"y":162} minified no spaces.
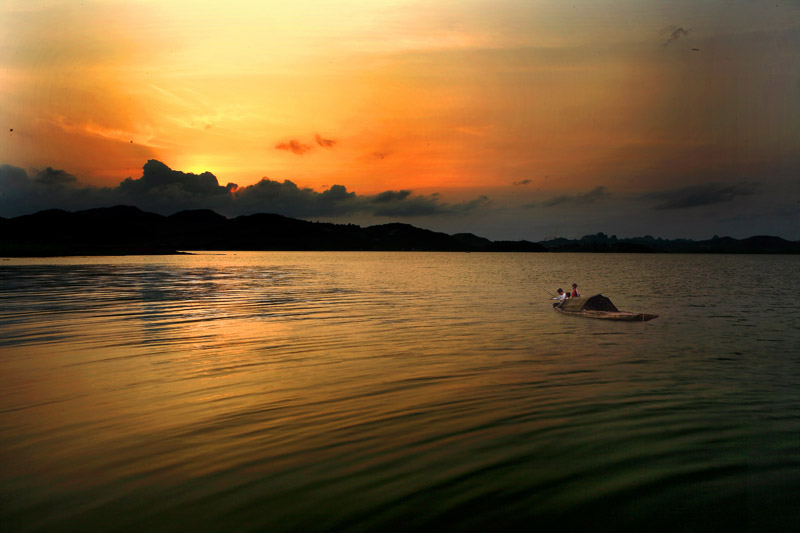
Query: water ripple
{"x":280,"y":391}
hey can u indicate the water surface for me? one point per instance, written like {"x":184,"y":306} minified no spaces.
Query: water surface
{"x":374,"y":391}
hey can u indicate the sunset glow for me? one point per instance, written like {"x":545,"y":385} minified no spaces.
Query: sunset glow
{"x":522,"y":102}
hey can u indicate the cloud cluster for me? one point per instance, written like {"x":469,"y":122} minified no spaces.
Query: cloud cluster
{"x":50,"y":176}
{"x":47,"y":189}
{"x":578,"y":199}
{"x":166,"y":191}
{"x":161,"y":187}
{"x":294,"y":146}
{"x":699,"y":195}
{"x":325,"y":143}
{"x":413,"y":206}
{"x":297,"y":147}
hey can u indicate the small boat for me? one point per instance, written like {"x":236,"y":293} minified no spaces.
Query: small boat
{"x":598,"y":306}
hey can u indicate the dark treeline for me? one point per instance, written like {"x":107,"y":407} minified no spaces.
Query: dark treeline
{"x":602,"y":243}
{"x":125,"y":230}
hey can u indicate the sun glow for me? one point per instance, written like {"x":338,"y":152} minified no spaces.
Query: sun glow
{"x":528,"y":98}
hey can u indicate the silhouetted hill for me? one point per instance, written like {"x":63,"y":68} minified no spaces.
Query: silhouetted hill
{"x":515,"y":246}
{"x":473,"y":241}
{"x":104,"y":231}
{"x":128,"y":230}
{"x":398,"y":236}
{"x":600,"y":242}
{"x":482,"y":244}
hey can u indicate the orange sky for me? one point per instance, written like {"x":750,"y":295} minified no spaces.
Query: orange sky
{"x":459,"y":97}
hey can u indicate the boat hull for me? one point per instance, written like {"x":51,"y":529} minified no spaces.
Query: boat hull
{"x":622,"y":316}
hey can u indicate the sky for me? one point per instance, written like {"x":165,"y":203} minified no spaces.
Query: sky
{"x":510,"y":119}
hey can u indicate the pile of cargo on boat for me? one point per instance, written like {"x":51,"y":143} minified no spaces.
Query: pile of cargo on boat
{"x":598,"y":306}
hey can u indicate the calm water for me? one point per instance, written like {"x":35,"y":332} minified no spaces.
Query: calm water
{"x":331,"y":391}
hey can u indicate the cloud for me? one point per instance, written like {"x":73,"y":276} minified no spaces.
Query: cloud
{"x":293,"y":146}
{"x":699,"y":195}
{"x":50,"y":176}
{"x":577,"y":199}
{"x":402,"y":204}
{"x":391,"y":196}
{"x":325,"y":143}
{"x":163,"y":190}
{"x":523,"y":182}
{"x":12,"y":177}
{"x":286,"y":198}
{"x":160,"y":188}
{"x":481,"y":201}
{"x":47,"y":189}
{"x":297,"y":147}
{"x":675,"y":34}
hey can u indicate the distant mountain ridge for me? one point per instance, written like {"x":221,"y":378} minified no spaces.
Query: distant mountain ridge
{"x":126,"y":230}
{"x":602,"y":243}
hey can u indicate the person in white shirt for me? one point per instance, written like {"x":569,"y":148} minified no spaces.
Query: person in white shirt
{"x":561,"y":297}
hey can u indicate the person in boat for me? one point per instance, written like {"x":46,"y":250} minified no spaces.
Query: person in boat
{"x":575,"y":293}
{"x":561,"y":297}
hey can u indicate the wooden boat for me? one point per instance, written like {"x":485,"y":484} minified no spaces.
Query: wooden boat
{"x":598,"y":306}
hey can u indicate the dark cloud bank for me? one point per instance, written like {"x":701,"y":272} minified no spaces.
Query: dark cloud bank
{"x":578,"y":199}
{"x":166,"y":191}
{"x":700,"y":195}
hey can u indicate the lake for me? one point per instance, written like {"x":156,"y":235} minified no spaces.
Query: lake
{"x":280,"y":391}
